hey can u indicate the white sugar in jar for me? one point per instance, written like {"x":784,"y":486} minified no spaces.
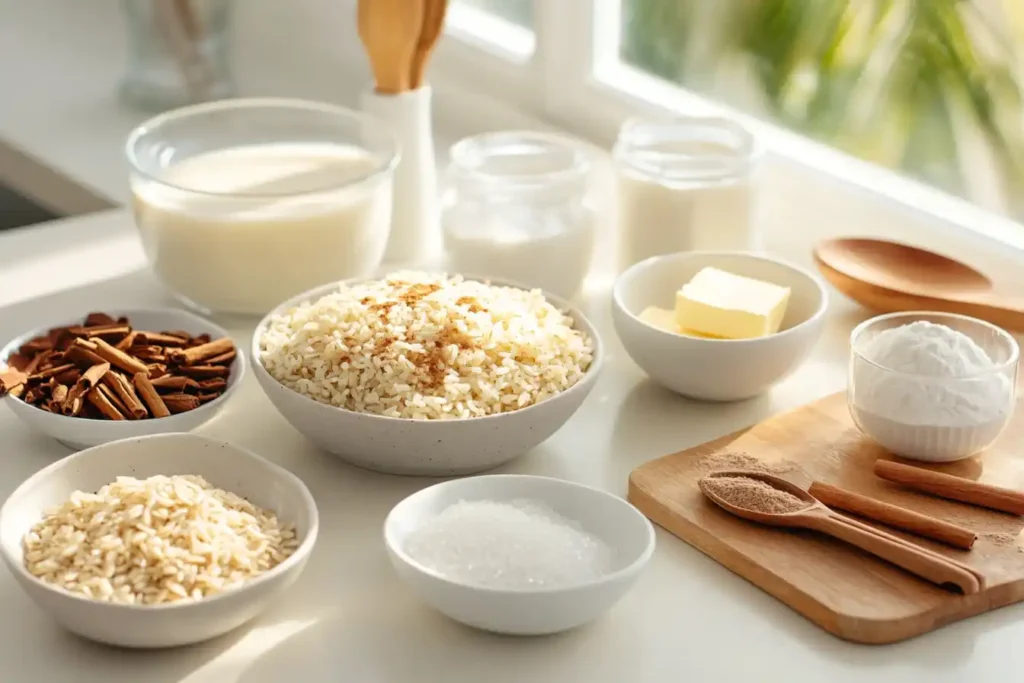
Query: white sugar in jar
{"x":932,"y":386}
{"x":685,"y":184}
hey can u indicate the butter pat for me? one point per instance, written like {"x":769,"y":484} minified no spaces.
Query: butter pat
{"x":665,"y":321}
{"x":660,"y":318}
{"x":720,"y":304}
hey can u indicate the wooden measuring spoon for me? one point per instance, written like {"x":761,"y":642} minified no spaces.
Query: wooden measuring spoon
{"x":889,"y":276}
{"x":816,"y":516}
{"x":390,"y":30}
{"x":433,"y":22}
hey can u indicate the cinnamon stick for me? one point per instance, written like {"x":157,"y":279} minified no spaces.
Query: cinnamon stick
{"x":60,"y":392}
{"x":218,"y":384}
{"x":133,"y":407}
{"x":68,"y":377}
{"x":119,"y":358}
{"x":222,"y":359}
{"x":113,"y":332}
{"x":11,"y":378}
{"x":951,"y":487}
{"x":196,"y":354}
{"x":147,"y":392}
{"x":127,"y":342}
{"x":894,"y":516}
{"x":36,"y":345}
{"x":204,"y":371}
{"x":181,"y":403}
{"x":157,"y":370}
{"x":206,"y":398}
{"x":95,"y":319}
{"x":159,"y":339}
{"x":103,"y":404}
{"x":50,"y":372}
{"x":81,"y":354}
{"x":89,"y":379}
{"x":177,"y":385}
{"x":109,"y":394}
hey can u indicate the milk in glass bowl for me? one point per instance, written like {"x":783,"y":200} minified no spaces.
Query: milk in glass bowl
{"x":244,"y":203}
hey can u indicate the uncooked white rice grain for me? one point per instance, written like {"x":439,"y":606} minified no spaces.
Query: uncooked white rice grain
{"x":426,"y":346}
{"x":156,"y":540}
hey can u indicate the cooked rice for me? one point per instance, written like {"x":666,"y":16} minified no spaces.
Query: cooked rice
{"x":426,"y":346}
{"x":154,"y":541}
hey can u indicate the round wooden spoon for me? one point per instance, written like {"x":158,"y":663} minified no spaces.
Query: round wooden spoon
{"x":889,"y":276}
{"x":816,"y":516}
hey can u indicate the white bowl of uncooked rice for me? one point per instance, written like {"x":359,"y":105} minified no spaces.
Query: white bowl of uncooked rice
{"x":425,"y":373}
{"x":157,"y":541}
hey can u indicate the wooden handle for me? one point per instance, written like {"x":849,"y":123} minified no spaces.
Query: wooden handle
{"x":894,"y":516}
{"x":951,"y":487}
{"x":918,"y":561}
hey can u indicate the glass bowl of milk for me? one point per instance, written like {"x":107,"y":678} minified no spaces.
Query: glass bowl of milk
{"x":244,"y":203}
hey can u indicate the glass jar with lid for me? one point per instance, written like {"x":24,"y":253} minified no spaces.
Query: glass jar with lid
{"x":518,"y":208}
{"x":685,"y":184}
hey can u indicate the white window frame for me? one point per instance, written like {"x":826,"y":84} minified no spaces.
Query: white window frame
{"x":574,"y":80}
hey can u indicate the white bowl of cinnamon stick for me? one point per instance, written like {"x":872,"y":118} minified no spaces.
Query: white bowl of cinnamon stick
{"x":116,"y":375}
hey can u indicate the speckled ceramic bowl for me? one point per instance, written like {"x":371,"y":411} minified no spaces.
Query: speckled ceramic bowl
{"x":426,"y":447}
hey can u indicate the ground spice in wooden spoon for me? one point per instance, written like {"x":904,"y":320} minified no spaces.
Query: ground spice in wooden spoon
{"x":753,"y":494}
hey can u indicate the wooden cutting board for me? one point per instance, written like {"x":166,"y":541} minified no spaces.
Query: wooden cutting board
{"x":843,"y":590}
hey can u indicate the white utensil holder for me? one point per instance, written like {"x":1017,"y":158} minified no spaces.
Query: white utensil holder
{"x":415,"y":224}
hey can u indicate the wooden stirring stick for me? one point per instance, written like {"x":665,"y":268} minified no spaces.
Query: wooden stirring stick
{"x":433,"y":22}
{"x":390,"y":31}
{"x":894,"y":516}
{"x":951,"y":487}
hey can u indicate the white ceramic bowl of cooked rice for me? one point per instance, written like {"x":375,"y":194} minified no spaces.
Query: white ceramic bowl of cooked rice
{"x":223,"y":465}
{"x":435,"y":447}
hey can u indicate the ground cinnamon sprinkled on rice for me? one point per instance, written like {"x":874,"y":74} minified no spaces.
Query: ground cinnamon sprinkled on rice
{"x":426,"y":346}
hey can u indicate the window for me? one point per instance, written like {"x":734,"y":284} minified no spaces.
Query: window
{"x":933,"y":89}
{"x":519,"y":12}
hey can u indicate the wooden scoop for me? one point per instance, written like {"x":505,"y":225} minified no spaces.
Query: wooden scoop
{"x":390,"y":31}
{"x":919,"y":561}
{"x":889,"y":276}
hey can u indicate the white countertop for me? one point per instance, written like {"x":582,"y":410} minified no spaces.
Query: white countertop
{"x":348,"y":617}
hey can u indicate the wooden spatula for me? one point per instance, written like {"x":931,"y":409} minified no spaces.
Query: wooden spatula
{"x":390,"y":31}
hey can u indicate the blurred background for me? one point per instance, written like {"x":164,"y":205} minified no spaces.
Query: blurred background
{"x":932,"y":88}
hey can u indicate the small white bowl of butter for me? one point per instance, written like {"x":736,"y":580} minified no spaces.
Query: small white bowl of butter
{"x":718,"y":326}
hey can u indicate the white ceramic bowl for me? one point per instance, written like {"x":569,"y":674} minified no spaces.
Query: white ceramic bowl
{"x":716,"y":369}
{"x":223,"y":465}
{"x":76,"y":432}
{"x":945,"y":438}
{"x":524,"y":612}
{"x":425,"y":447}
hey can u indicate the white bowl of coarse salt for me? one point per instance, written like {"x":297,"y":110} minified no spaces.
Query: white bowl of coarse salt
{"x":158,"y":541}
{"x":424,"y":373}
{"x":929,"y":386}
{"x":517,"y":554}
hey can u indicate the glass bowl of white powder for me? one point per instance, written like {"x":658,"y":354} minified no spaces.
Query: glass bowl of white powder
{"x":931,"y":386}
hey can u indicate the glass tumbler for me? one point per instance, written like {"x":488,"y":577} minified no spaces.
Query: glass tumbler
{"x":242,"y":204}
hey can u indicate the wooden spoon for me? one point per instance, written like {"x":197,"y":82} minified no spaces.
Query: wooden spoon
{"x":390,"y":30}
{"x":433,"y":23}
{"x":919,"y":561}
{"x":889,"y":276}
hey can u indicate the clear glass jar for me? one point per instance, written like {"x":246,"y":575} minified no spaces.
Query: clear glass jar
{"x":518,"y":207}
{"x":242,"y":204}
{"x":177,"y":52}
{"x":685,"y":184}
